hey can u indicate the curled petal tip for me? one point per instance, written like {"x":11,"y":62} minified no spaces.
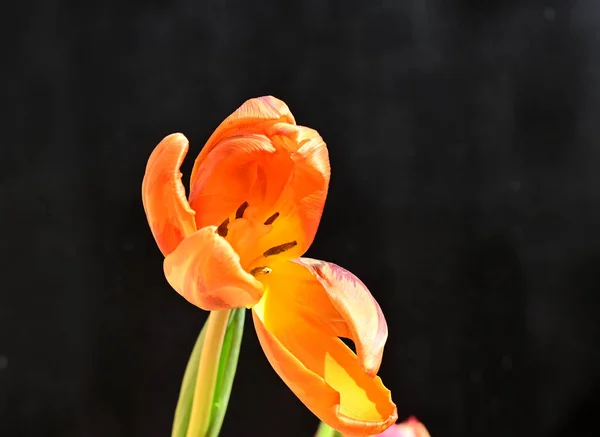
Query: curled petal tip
{"x":277,"y":105}
{"x":168,"y":212}
{"x":206,"y":271}
{"x":263,"y":108}
{"x":363,"y":316}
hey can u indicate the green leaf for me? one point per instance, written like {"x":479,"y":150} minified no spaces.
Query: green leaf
{"x":325,"y":430}
{"x":227,"y":368}
{"x":188,"y":386}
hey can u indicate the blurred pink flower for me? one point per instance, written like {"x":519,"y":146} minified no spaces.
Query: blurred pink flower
{"x":409,"y":428}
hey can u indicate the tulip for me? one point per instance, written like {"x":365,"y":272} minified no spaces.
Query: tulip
{"x":257,"y":193}
{"x":410,"y":428}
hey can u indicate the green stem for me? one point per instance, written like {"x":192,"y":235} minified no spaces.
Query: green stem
{"x":227,"y":368}
{"x":325,"y":430}
{"x":207,"y":373}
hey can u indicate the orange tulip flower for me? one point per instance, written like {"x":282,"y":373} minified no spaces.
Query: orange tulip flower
{"x":409,"y":428}
{"x":257,"y":192}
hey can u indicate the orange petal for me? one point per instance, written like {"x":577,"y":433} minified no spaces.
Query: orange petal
{"x":206,"y":271}
{"x":272,"y":178}
{"x":302,"y":203}
{"x":357,"y":307}
{"x":306,"y":306}
{"x":254,"y":116}
{"x":169,"y":215}
{"x":242,"y":169}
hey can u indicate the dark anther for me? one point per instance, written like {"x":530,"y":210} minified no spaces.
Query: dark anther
{"x":260,"y":270}
{"x":279,"y":249}
{"x":240,"y":211}
{"x":271,"y":219}
{"x":222,"y":229}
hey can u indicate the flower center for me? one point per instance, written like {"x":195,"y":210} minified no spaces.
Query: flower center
{"x":245,"y":233}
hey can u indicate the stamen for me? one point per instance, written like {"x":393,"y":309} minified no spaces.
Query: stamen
{"x":240,"y":211}
{"x":222,"y":229}
{"x":279,"y":249}
{"x":260,"y":271}
{"x":271,"y":219}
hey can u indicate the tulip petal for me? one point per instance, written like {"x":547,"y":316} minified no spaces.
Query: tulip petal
{"x":307,"y":305}
{"x":206,"y":271}
{"x":242,"y":169}
{"x":302,"y":204}
{"x":361,"y":312}
{"x":271,"y":179}
{"x":169,"y":215}
{"x":253,"y":117}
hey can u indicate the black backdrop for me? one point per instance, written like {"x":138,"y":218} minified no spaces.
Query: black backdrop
{"x":465,"y":148}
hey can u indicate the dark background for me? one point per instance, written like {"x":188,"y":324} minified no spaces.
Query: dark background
{"x":465,"y":192}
